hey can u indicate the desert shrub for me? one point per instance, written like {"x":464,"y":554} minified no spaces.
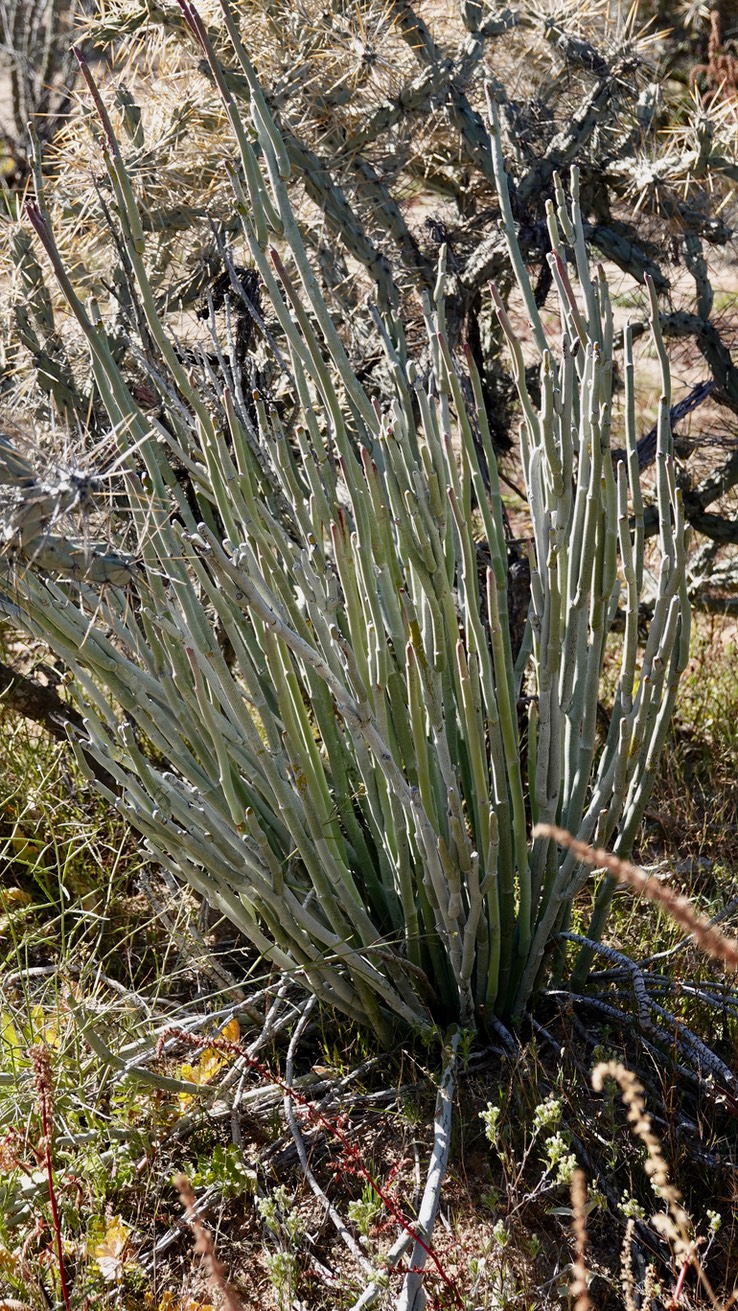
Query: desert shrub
{"x":295,"y":668}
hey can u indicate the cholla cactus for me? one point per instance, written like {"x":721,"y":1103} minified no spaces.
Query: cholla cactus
{"x":38,"y":73}
{"x":306,"y":692}
{"x":380,"y":108}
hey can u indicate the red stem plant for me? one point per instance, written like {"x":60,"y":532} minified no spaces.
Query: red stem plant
{"x":43,"y":1080}
{"x":352,"y":1156}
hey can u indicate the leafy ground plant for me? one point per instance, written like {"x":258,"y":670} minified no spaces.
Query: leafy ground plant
{"x":506,"y":1218}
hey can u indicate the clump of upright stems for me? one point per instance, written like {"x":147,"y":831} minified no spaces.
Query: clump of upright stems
{"x":303,"y":688}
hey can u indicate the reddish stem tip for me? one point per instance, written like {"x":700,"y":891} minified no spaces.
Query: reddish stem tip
{"x":184,"y":6}
{"x":35,"y":217}
{"x":193,"y":21}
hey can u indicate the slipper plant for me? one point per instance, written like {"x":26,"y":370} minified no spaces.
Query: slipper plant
{"x":301,"y":679}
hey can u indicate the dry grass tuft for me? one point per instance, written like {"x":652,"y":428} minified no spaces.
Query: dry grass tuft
{"x":579,"y":1294}
{"x":676,"y":1225}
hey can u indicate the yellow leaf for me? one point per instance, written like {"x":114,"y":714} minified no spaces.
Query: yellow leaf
{"x":44,"y":1027}
{"x":210,"y":1062}
{"x":9,"y":1034}
{"x":110,"y":1254}
{"x":8,"y":1261}
{"x":231,"y":1031}
{"x":15,"y":897}
{"x":51,"y":1035}
{"x":170,"y":1302}
{"x":25,"y":847}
